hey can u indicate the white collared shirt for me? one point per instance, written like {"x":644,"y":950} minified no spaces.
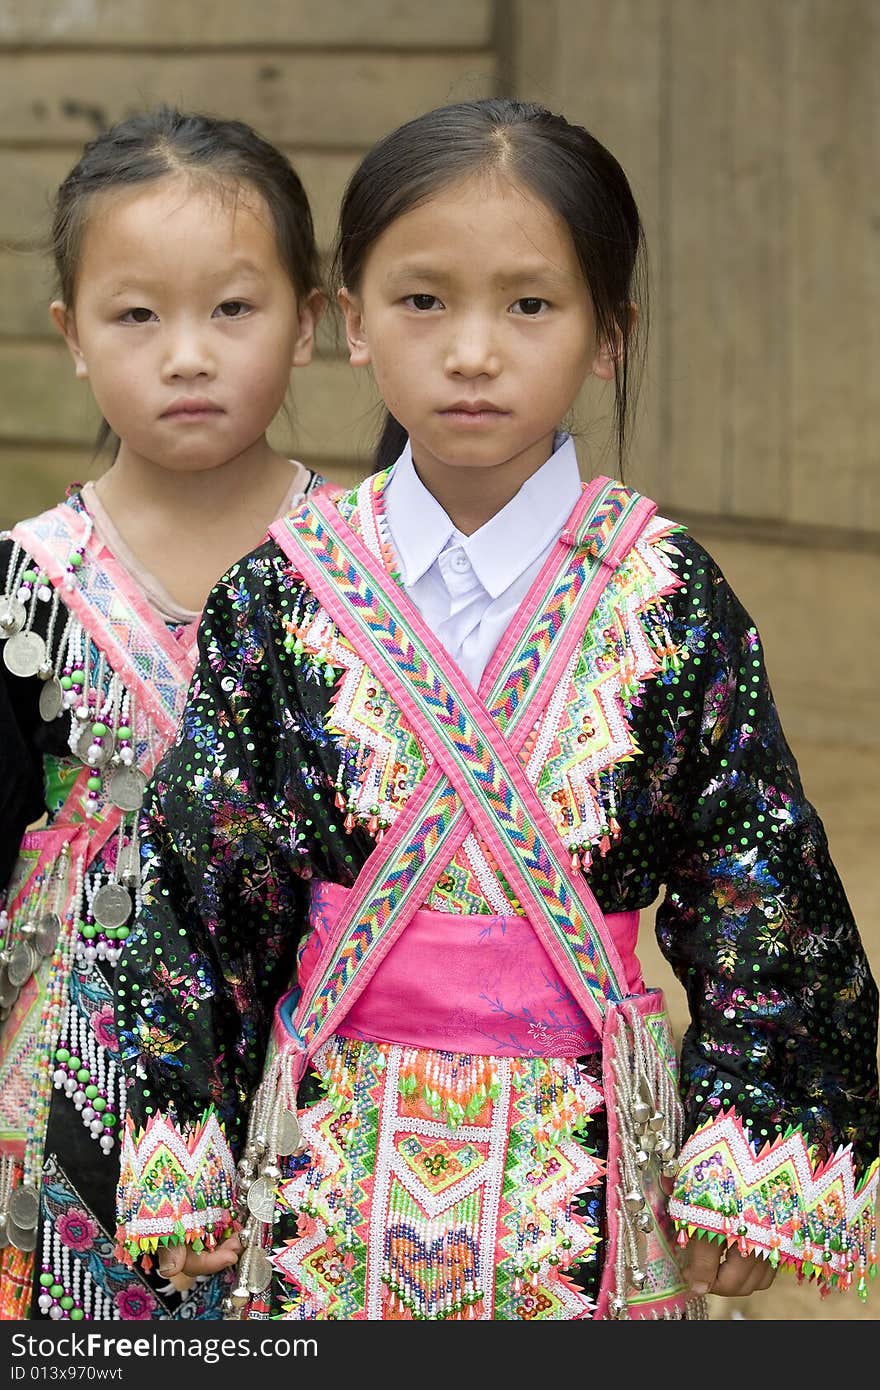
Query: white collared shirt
{"x":467,"y":588}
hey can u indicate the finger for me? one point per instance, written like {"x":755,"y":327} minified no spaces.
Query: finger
{"x":222,"y":1256}
{"x":702,"y":1264}
{"x":741,"y":1275}
{"x":171,"y":1259}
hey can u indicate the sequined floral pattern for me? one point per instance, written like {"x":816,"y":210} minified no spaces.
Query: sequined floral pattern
{"x":711,"y":813}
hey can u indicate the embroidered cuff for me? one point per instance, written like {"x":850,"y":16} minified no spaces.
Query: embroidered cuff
{"x":814,"y":1218}
{"x":174,"y":1187}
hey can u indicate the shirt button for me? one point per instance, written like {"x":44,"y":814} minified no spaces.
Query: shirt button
{"x":460,"y":561}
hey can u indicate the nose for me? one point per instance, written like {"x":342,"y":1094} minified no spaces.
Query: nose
{"x":187,"y":355}
{"x":472,"y":350}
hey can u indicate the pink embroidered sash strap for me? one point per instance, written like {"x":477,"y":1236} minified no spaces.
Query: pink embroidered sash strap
{"x":152,"y":662}
{"x":475,"y":984}
{"x":473,"y":760}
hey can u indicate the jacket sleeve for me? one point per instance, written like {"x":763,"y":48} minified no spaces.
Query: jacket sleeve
{"x":215,"y":941}
{"x":779,"y":1063}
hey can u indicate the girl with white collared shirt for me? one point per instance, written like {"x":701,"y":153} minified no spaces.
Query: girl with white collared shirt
{"x":450,"y":732}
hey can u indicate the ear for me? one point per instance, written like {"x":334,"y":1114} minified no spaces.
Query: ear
{"x":309,"y":313}
{"x":355,"y":328}
{"x":64,"y":321}
{"x":611,"y":349}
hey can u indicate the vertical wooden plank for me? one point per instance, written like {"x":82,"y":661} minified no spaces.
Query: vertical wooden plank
{"x":834,"y":153}
{"x":697,"y":63}
{"x":599,"y":77}
{"x":757,"y":328}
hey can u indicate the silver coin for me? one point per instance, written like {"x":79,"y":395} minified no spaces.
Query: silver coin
{"x":51,"y":700}
{"x":259,"y":1274}
{"x":48,"y":928}
{"x":261,"y":1199}
{"x":13,"y":616}
{"x":4,"y":1233}
{"x":127,"y":788}
{"x":112,"y":905}
{"x":8,"y":991}
{"x":21,"y":966}
{"x":289,"y":1133}
{"x":24,"y":1207}
{"x":24,"y":653}
{"x":21,"y":1238}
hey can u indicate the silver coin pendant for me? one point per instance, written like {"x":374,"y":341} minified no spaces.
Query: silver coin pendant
{"x":24,"y":1238}
{"x":51,"y":700}
{"x":127,"y":788}
{"x":24,"y":653}
{"x":13,"y":616}
{"x":24,"y":1207}
{"x":22,"y":963}
{"x":48,"y":928}
{"x":289,"y":1133}
{"x":112,"y":905}
{"x":261,"y":1199}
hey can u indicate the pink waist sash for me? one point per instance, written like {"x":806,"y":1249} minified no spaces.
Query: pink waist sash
{"x":476,"y":984}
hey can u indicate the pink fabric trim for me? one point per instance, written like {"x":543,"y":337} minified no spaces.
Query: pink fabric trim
{"x":465,"y":983}
{"x":181,"y":652}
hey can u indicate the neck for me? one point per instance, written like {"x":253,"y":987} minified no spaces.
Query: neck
{"x":472,"y":496}
{"x":187,"y":528}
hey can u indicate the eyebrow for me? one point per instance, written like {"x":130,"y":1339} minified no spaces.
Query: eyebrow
{"x":238,"y":268}
{"x":539,"y":272}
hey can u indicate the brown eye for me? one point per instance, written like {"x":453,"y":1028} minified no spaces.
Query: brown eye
{"x":529,"y":306}
{"x":423,"y":301}
{"x":232,"y":308}
{"x":138,"y":315}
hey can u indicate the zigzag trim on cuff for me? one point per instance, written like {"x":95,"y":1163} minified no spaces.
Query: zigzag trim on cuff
{"x":174,"y":1188}
{"x":779,"y":1203}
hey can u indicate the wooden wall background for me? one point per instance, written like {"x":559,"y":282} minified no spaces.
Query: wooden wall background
{"x":749,"y":130}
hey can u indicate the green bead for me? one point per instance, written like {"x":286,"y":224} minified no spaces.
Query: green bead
{"x":77,"y":677}
{"x":91,"y":1092}
{"x":88,"y":930}
{"x":124,"y":731}
{"x":65,"y":682}
{"x":110,"y":933}
{"x":94,"y":784}
{"x":66,"y":1302}
{"x":45,"y":1280}
{"x":73,"y":1062}
{"x":62,"y":1054}
{"x":84,"y":1075}
{"x":99,"y":729}
{"x":56,"y":1290}
{"x":76,"y":560}
{"x":76,"y":1315}
{"x":122,"y":933}
{"x":29,"y":576}
{"x":109,"y":1119}
{"x":99,"y":1103}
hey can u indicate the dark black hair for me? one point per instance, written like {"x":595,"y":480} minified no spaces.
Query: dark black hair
{"x":566,"y":166}
{"x":153,"y":144}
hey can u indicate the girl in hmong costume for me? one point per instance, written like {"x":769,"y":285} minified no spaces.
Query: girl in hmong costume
{"x":189,"y":355}
{"x":449,"y":733}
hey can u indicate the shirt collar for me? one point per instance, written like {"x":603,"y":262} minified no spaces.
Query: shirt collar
{"x":502,"y":549}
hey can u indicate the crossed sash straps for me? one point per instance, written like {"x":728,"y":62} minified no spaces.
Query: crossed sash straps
{"x":476,"y":780}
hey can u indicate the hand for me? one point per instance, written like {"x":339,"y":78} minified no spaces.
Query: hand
{"x":176,"y":1260}
{"x":713,"y":1269}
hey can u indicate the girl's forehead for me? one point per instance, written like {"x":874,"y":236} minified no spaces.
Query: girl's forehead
{"x":484,"y":214}
{"x":193,"y":193}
